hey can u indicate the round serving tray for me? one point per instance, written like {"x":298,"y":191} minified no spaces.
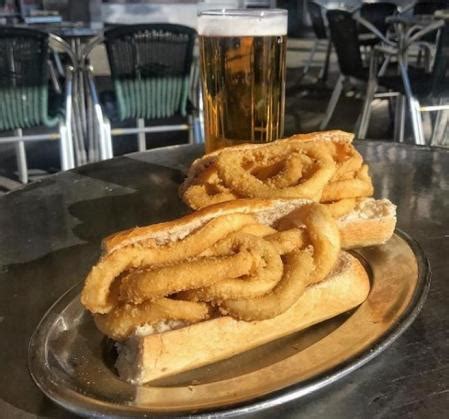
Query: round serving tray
{"x":73,"y":364}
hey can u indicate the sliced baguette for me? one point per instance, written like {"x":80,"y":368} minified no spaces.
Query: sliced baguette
{"x":371,"y":222}
{"x":147,"y":358}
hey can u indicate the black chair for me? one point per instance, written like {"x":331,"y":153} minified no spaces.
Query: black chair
{"x":429,"y":7}
{"x":25,"y":92}
{"x":344,"y":33}
{"x":151,"y":69}
{"x":344,"y":36}
{"x":376,"y":14}
{"x":417,"y":84}
{"x":316,"y":15}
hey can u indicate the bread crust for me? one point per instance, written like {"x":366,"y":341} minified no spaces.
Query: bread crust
{"x":164,"y":354}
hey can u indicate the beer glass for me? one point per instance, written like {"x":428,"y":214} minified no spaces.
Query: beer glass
{"x":242,"y":57}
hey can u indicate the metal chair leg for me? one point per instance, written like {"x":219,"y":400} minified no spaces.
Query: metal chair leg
{"x":107,"y":136}
{"x":325,"y":68}
{"x":439,"y":126}
{"x":21,"y":157}
{"x":197,"y":130}
{"x":418,"y":131}
{"x":399,"y":119}
{"x":192,"y":139}
{"x":366,"y":110}
{"x":141,"y":137}
{"x":384,"y":66}
{"x":333,"y":102}
{"x":310,"y":59}
{"x":66,"y":147}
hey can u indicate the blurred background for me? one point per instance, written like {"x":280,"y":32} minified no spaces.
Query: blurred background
{"x":314,"y":70}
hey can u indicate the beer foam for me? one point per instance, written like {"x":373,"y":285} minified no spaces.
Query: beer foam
{"x":230,"y":23}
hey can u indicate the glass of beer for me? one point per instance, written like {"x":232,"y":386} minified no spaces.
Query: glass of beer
{"x":242,"y":56}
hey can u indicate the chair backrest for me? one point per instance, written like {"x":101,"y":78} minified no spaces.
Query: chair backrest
{"x":317,"y":19}
{"x":376,"y":13}
{"x":429,"y":7}
{"x":344,"y":36}
{"x":150,"y":66}
{"x":440,"y":72}
{"x":23,"y":79}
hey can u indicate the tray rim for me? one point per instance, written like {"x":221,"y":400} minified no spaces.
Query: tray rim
{"x":82,"y":404}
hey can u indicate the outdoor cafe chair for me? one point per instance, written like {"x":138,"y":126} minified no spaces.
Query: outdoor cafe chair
{"x":429,"y":7}
{"x":24,"y":95}
{"x":375,"y":13}
{"x":152,"y":75}
{"x":343,"y":25}
{"x":418,"y":85}
{"x":316,"y":14}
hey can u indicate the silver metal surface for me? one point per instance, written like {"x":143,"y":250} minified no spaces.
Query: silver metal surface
{"x":51,"y":232}
{"x":73,"y":364}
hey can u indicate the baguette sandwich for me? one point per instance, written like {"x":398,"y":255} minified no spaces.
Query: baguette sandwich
{"x":228,"y":278}
{"x":321,"y":166}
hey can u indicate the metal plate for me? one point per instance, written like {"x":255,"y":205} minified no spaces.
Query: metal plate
{"x":73,"y":364}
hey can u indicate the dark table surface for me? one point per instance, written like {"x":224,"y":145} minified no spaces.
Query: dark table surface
{"x":51,"y":230}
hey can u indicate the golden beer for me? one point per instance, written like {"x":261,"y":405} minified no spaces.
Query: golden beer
{"x":242,"y":55}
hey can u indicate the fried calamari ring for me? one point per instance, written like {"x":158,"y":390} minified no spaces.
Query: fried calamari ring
{"x":291,"y":172}
{"x":139,"y":286}
{"x":95,"y":295}
{"x":299,"y":272}
{"x":298,"y":268}
{"x":287,"y":241}
{"x":259,"y":230}
{"x":123,"y":319}
{"x":231,"y":169}
{"x":360,"y":186}
{"x":242,"y":254}
{"x":323,"y":235}
{"x":263,"y":278}
{"x":342,"y":207}
{"x":207,"y":190}
{"x":348,"y":159}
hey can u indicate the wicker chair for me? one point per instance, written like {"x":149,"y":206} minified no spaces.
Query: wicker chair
{"x":151,"y":69}
{"x":24,"y":95}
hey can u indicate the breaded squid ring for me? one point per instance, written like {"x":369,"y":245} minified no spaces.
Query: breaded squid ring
{"x":291,"y":172}
{"x":324,"y":237}
{"x":342,"y":207}
{"x":259,"y":230}
{"x":263,"y":278}
{"x":348,"y":160}
{"x":95,"y":295}
{"x":236,"y":255}
{"x":287,"y":241}
{"x":123,"y":319}
{"x":207,"y":190}
{"x":298,"y":268}
{"x":360,"y":186}
{"x":144,"y":285}
{"x":230,"y":169}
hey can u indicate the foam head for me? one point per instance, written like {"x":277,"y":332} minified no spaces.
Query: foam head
{"x":246,"y":22}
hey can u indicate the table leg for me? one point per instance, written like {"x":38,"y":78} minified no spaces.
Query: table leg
{"x":399,"y":119}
